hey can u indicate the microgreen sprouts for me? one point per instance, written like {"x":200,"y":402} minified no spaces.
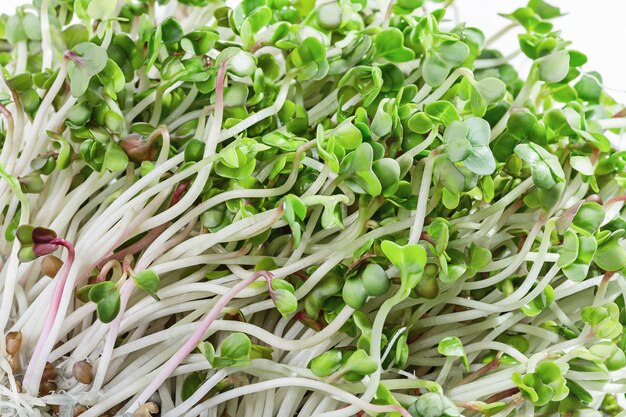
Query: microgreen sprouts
{"x":299,"y":208}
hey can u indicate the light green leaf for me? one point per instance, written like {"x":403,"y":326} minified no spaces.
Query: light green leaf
{"x":101,"y":9}
{"x":149,"y":281}
{"x":452,"y":347}
{"x":554,"y":67}
{"x":409,"y":259}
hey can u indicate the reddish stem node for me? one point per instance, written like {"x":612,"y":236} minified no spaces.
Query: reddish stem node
{"x":502,"y":395}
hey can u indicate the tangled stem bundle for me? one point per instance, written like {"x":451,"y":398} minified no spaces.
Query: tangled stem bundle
{"x":290,"y":208}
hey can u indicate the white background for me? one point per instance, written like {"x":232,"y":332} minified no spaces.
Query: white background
{"x":597,"y":28}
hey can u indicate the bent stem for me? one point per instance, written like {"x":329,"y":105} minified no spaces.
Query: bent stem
{"x":10,"y":282}
{"x":36,"y":366}
{"x":196,"y":337}
{"x":422,"y":199}
{"x":376,"y":337}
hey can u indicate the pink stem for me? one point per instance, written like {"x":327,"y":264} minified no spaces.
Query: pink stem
{"x":127,"y":288}
{"x":178,"y":193}
{"x":388,"y":12}
{"x":104,"y":270}
{"x":145,"y":241}
{"x":138,"y":246}
{"x":197,"y":336}
{"x":33,"y":374}
{"x":7,"y":114}
{"x":171,"y":365}
{"x":219,"y":91}
{"x":614,"y":200}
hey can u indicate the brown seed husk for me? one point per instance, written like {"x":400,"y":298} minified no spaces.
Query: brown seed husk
{"x":46,"y":388}
{"x":83,"y":372}
{"x":13,"y":342}
{"x":14,"y":361}
{"x":78,"y":410}
{"x":112,"y":411}
{"x":146,"y":410}
{"x":49,"y":372}
{"x":51,"y":265}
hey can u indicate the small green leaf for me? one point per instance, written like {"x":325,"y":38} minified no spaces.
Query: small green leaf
{"x":588,"y":218}
{"x":375,"y":280}
{"x":191,"y":383}
{"x":294,"y":213}
{"x":554,"y":67}
{"x":409,"y":259}
{"x":540,"y":303}
{"x":101,"y":9}
{"x":114,"y":122}
{"x":172,"y":30}
{"x":357,"y":166}
{"x":236,"y":346}
{"x":326,"y":364}
{"x":589,"y":87}
{"x":149,"y":281}
{"x":354,"y":293}
{"x":433,"y":404}
{"x":439,"y":231}
{"x":479,"y":258}
{"x":360,"y":363}
{"x":421,"y":123}
{"x":582,"y":164}
{"x":115,"y":159}
{"x":442,"y":111}
{"x":88,"y":60}
{"x":491,"y":89}
{"x":283,"y":297}
{"x":242,"y":64}
{"x":546,"y":168}
{"x":611,"y":256}
{"x":112,"y":78}
{"x":107,"y":297}
{"x":452,"y":347}
{"x":468,"y":142}
{"x":569,"y":252}
{"x":208,"y":351}
{"x":390,"y":45}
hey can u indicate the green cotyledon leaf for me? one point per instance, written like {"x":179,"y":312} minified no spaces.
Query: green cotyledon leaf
{"x":468,"y":142}
{"x":409,"y":259}
{"x":85,"y":60}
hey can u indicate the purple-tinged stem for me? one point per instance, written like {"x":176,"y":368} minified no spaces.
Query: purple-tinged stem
{"x":138,"y":246}
{"x":494,"y":364}
{"x":145,"y":241}
{"x":388,"y":13}
{"x":105,"y":268}
{"x":502,"y":395}
{"x":71,"y":55}
{"x":196,"y":337}
{"x":219,"y":91}
{"x":33,"y":374}
{"x":614,"y":200}
{"x":128,"y":286}
{"x":7,"y":115}
{"x":171,"y":365}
